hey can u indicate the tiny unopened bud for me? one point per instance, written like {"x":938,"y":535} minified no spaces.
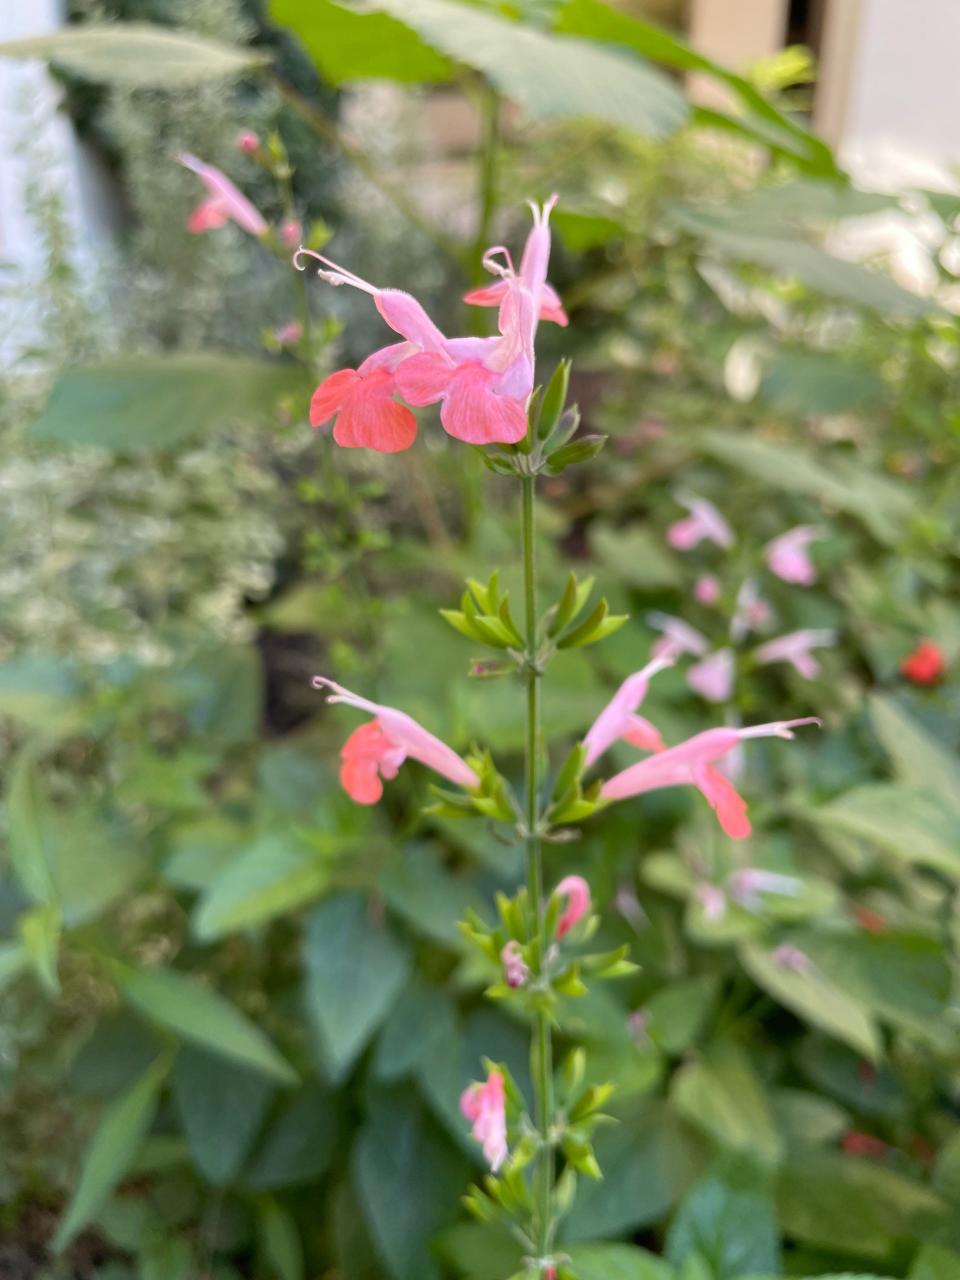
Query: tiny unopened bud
{"x":515,"y":969}
{"x":291,"y":233}
{"x":248,"y":141}
{"x":792,"y":958}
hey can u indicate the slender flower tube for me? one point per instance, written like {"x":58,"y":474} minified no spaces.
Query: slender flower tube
{"x":794,"y":647}
{"x":690,"y":764}
{"x":703,"y":522}
{"x":619,"y":720}
{"x":787,"y":556}
{"x":484,"y":1105}
{"x":577,"y":893}
{"x":713,"y":677}
{"x":378,"y":748}
{"x":224,"y":203}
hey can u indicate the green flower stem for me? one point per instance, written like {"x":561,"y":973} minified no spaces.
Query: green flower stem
{"x":542,"y":1046}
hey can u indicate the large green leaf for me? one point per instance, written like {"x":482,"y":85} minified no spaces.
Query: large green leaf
{"x":221,"y":1108}
{"x":430,"y":898}
{"x":202,"y":1017}
{"x":138,"y":55}
{"x":761,"y":121}
{"x":31,"y":830}
{"x":916,"y":755}
{"x":811,"y":995}
{"x":553,"y":77}
{"x":347,"y":45}
{"x":273,"y":876}
{"x":851,"y":1206}
{"x":409,"y":1181}
{"x":935,"y":1262}
{"x":720,"y":1094}
{"x":881,"y":504}
{"x":298,"y":1143}
{"x":728,"y":1219}
{"x":912,"y":823}
{"x":355,"y":970}
{"x":787,"y":252}
{"x":617,"y":1262}
{"x":160,"y":402}
{"x":118,"y":1137}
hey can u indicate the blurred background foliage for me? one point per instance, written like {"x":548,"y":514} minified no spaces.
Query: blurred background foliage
{"x":235,"y":1011}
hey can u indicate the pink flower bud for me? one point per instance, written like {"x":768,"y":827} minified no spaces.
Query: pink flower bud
{"x":792,"y":959}
{"x":577,"y":892}
{"x":515,"y":969}
{"x":248,"y":141}
{"x":484,"y":1105}
{"x":707,"y":589}
{"x":291,"y":233}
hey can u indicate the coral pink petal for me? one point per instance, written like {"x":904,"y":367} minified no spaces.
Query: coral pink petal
{"x":577,"y":893}
{"x":642,"y":734}
{"x":360,"y":780}
{"x":330,"y":395}
{"x":551,"y":308}
{"x":725,"y":800}
{"x":490,"y":295}
{"x":207,"y":216}
{"x":424,"y":378}
{"x":404,"y":314}
{"x":684,"y":534}
{"x":473,"y":412}
{"x":371,"y":419}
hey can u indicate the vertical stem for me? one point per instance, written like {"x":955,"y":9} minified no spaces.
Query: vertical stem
{"x":542,"y":1047}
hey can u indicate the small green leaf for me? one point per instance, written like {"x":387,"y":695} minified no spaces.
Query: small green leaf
{"x":40,"y":932}
{"x":554,"y":399}
{"x":115,"y":1144}
{"x":580,"y":450}
{"x":272,"y":877}
{"x":279,"y":1240}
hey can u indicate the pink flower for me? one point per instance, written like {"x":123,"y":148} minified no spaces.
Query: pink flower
{"x":707,"y":589}
{"x":791,"y":958}
{"x":748,"y":883}
{"x":618,"y":720}
{"x":704,"y":521}
{"x":713,"y":677}
{"x":291,"y":233}
{"x":794,"y":647}
{"x":690,"y":764}
{"x":224,"y":202}
{"x":484,"y":1105}
{"x":515,"y":968}
{"x":678,"y":636}
{"x":248,"y":141}
{"x":377,"y":749}
{"x":751,"y":613}
{"x":482,"y":384}
{"x":787,"y":555}
{"x":492,"y":295}
{"x":577,"y":893}
{"x":289,"y":334}
{"x":713,"y":901}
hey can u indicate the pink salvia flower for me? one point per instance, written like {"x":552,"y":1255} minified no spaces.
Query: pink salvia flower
{"x":678,"y":636}
{"x":703,"y":522}
{"x":794,"y":647}
{"x":713,"y":677}
{"x":515,"y":969}
{"x":788,"y":558}
{"x":378,"y":748}
{"x":707,"y":589}
{"x":577,"y":893}
{"x":619,"y":720}
{"x":691,"y":764}
{"x":751,"y":614}
{"x":484,"y":1105}
{"x":533,"y":266}
{"x":224,"y":202}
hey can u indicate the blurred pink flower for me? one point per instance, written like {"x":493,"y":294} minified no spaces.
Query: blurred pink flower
{"x":533,"y":265}
{"x":515,"y":969}
{"x":690,"y":764}
{"x":377,"y":749}
{"x":289,"y":334}
{"x":678,"y":636}
{"x":712,"y":678}
{"x":291,"y":233}
{"x":704,"y":521}
{"x":712,"y":900}
{"x":618,"y":720}
{"x":788,"y":558}
{"x":224,"y":203}
{"x":747,"y":883}
{"x":794,"y":647}
{"x":577,"y":893}
{"x":248,"y":141}
{"x":791,"y":958}
{"x":751,"y":612}
{"x":484,"y":1105}
{"x":707,"y":589}
{"x":482,"y":384}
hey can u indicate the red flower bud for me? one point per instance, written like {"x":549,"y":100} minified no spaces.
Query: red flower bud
{"x":925,"y":665}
